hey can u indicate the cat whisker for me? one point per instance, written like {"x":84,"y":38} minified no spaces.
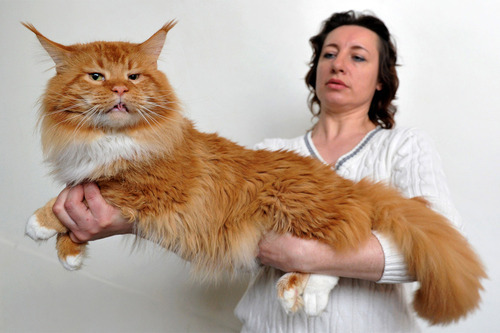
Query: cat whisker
{"x":145,"y":116}
{"x":87,"y":116}
{"x":55,"y":97}
{"x":91,"y":113}
{"x":56,"y":125}
{"x":151,"y":105}
{"x":43,"y":115}
{"x":152,"y":118}
{"x":155,"y":115}
{"x":149,"y":119}
{"x":161,"y":106}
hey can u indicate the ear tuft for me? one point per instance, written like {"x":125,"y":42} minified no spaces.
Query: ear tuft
{"x":57,"y":52}
{"x":154,"y":44}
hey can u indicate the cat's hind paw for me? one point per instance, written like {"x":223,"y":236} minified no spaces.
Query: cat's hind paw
{"x":36,"y":231}
{"x":290,"y":288}
{"x":317,"y":292}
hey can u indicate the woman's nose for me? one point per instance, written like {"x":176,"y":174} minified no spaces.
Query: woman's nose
{"x":338,"y":64}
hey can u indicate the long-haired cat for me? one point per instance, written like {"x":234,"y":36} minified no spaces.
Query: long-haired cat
{"x":110,"y":116}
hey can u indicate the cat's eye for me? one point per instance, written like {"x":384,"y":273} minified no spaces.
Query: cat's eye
{"x":97,"y":76}
{"x":133,"y":76}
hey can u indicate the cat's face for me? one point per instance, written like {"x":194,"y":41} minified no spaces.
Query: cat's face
{"x":108,"y":86}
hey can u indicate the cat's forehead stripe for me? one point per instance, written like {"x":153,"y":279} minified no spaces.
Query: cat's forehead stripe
{"x":106,"y":53}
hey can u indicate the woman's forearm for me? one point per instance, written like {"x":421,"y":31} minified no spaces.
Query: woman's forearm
{"x":290,"y":253}
{"x":365,"y":262}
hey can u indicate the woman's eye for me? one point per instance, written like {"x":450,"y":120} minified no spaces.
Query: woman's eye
{"x":97,"y":76}
{"x":133,"y":76}
{"x":329,"y":55}
{"x":359,"y":58}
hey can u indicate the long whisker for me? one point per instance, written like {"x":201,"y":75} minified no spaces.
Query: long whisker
{"x":154,"y":115}
{"x":146,"y":115}
{"x":87,"y":116}
{"x":67,"y":109}
{"x":71,"y":118}
{"x":70,"y":109}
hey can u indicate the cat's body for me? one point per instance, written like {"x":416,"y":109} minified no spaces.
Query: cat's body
{"x":111,"y":117}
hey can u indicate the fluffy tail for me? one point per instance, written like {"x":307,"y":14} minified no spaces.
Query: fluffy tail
{"x":440,"y":258}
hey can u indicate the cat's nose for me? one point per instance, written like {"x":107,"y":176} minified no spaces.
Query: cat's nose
{"x":120,"y":90}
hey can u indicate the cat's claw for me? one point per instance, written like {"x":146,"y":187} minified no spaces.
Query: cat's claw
{"x":317,"y":292}
{"x":37,"y":232}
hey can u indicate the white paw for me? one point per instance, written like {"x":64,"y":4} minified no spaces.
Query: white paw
{"x":37,"y":232}
{"x":72,"y":263}
{"x":317,"y":292}
{"x":290,"y":300}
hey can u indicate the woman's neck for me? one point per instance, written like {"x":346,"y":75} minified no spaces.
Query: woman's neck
{"x":331,"y":127}
{"x":337,"y":134}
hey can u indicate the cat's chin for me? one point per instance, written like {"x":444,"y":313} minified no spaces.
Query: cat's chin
{"x":117,"y":118}
{"x":118,"y":114}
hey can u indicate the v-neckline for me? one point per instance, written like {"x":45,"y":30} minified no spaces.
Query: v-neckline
{"x":347,"y":156}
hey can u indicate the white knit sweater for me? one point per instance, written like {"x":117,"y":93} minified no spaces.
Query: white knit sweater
{"x":404,"y":158}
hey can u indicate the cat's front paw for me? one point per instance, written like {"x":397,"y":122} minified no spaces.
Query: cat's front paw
{"x":317,"y":292}
{"x":36,"y":231}
{"x":72,"y":263}
{"x":71,"y":255}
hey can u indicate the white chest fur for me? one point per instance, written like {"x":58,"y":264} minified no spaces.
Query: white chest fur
{"x":78,"y":161}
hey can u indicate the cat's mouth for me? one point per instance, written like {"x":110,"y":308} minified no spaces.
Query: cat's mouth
{"x":120,"y":107}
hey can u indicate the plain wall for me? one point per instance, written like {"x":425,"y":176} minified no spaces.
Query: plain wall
{"x":238,"y":66}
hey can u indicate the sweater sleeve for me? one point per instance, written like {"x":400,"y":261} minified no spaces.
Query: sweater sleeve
{"x":395,"y":269}
{"x":417,"y":172}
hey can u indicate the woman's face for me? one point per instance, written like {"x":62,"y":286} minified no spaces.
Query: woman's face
{"x":347,"y":72}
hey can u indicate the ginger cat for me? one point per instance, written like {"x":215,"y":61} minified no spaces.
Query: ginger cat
{"x":111,"y":117}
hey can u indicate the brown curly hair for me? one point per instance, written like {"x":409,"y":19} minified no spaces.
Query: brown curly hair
{"x":382,"y":110}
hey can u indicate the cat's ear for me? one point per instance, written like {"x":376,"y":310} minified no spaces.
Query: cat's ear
{"x":153,"y":46}
{"x":58,"y":52}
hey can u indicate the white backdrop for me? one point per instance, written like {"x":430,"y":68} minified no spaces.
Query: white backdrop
{"x":238,"y":66}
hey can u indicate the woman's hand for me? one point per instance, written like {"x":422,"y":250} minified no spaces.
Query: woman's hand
{"x":288,"y":253}
{"x":94,"y":220}
{"x":292,"y":254}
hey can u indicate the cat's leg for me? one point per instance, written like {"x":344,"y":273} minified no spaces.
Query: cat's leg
{"x":290,"y":289}
{"x":44,"y":224}
{"x":317,"y":292}
{"x":311,"y":291}
{"x":70,"y":254}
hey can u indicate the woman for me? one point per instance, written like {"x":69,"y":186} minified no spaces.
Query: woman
{"x":353,"y":81}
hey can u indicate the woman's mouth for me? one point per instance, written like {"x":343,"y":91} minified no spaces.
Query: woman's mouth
{"x":336,"y":84}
